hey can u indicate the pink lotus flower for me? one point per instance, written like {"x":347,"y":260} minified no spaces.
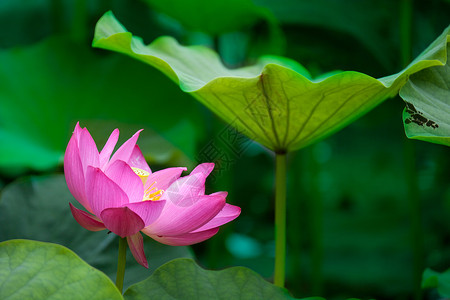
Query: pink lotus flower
{"x":122,"y":195}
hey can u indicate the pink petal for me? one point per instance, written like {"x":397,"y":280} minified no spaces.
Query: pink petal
{"x":108,"y":149}
{"x":122,"y":221}
{"x":126,"y":179}
{"x":127,"y":148}
{"x":102,"y":192}
{"x":187,"y":238}
{"x":86,"y":220}
{"x":136,"y":244}
{"x":164,"y":178}
{"x":77,"y":131}
{"x":137,"y":160}
{"x":177,"y":220}
{"x":88,"y":150}
{"x":148,"y":211}
{"x":73,"y":171}
{"x":228,"y":213}
{"x":188,"y":187}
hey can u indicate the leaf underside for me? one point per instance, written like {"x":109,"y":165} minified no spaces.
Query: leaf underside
{"x":427,"y":97}
{"x":274,"y":102}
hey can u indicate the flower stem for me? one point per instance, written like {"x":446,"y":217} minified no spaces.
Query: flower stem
{"x":280,"y":219}
{"x":121,"y":261}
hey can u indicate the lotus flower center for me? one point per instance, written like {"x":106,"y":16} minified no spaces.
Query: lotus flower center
{"x":152,"y":193}
{"x":141,"y":173}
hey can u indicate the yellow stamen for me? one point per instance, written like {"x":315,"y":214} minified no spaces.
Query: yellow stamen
{"x":152,"y":193}
{"x":141,"y":173}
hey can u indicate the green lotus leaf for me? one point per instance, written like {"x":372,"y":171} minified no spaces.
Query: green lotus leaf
{"x":427,"y":96}
{"x":184,"y":279}
{"x":440,"y":281}
{"x":38,"y":270}
{"x":274,"y":101}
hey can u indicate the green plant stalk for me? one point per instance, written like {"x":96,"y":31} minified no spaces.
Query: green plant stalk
{"x":121,"y":262}
{"x":405,"y":31}
{"x":415,"y":211}
{"x":280,"y":219}
{"x":416,"y":232}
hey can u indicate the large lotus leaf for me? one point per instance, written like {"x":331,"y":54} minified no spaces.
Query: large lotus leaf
{"x":184,"y":279}
{"x":273,"y":102}
{"x":440,"y":281}
{"x":37,"y":270}
{"x":38,"y":208}
{"x":46,"y":88}
{"x":213,"y":17}
{"x":427,"y":113}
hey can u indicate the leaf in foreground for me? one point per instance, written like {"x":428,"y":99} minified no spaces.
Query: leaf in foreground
{"x":275,"y":102}
{"x":184,"y":279}
{"x":427,"y":113}
{"x":37,"y":270}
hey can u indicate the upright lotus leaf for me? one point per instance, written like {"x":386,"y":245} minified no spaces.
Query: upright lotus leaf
{"x":184,"y":279}
{"x":427,"y":113}
{"x":435,"y":280}
{"x":38,"y":270}
{"x":274,"y":101}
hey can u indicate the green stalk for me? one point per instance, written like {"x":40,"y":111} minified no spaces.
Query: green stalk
{"x":405,"y":31}
{"x":280,"y":219}
{"x":415,"y":210}
{"x":121,"y":261}
{"x":416,"y":232}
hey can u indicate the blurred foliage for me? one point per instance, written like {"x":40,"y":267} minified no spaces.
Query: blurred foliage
{"x":51,"y":78}
{"x":438,"y":281}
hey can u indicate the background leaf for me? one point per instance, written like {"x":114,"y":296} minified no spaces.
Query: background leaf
{"x":36,"y":270}
{"x":38,"y":208}
{"x":46,"y":88}
{"x":440,"y":281}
